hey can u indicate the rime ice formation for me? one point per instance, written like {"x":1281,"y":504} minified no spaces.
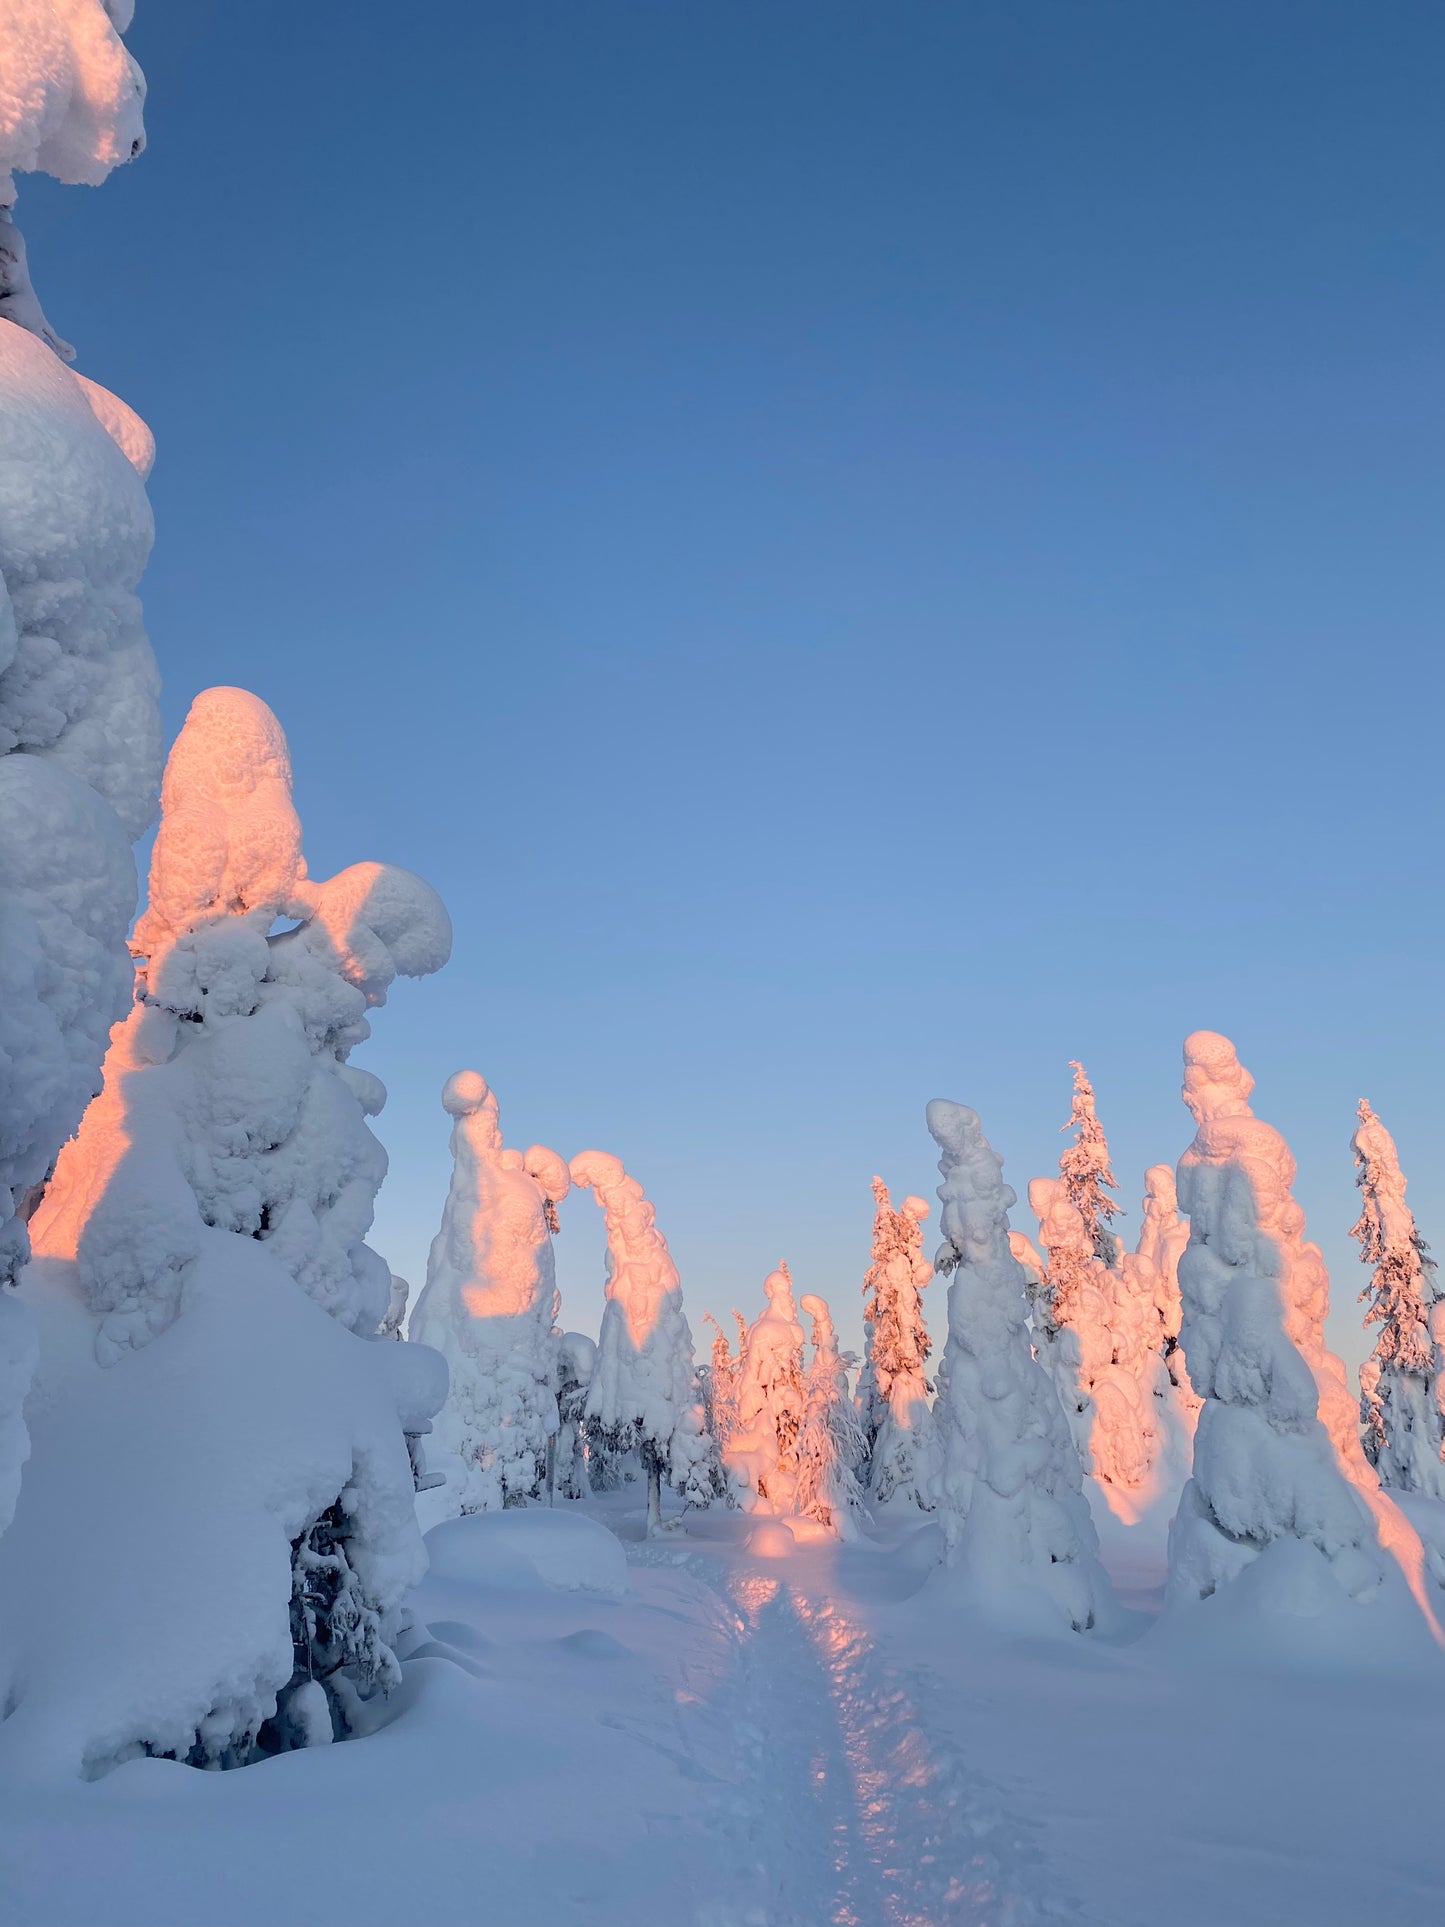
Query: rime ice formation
{"x":893,"y":1389}
{"x":1010,"y":1490}
{"x":762,"y":1454}
{"x":830,"y":1443}
{"x":489,"y":1301}
{"x":196,"y":1397}
{"x":644,"y":1392}
{"x":1276,"y":1455}
{"x":71,"y":101}
{"x":1163,"y":1236}
{"x":1404,"y":1387}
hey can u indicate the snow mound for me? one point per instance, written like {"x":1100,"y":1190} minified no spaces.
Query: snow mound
{"x":770,"y":1539}
{"x":561,"y":1551}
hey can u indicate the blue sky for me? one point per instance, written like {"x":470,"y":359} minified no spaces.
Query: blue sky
{"x":865,"y":550}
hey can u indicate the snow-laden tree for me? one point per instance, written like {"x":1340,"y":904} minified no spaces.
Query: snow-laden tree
{"x":762,"y":1454}
{"x":1108,"y":1360}
{"x":830,"y":1444}
{"x":1085,"y":1172}
{"x":79,"y":728}
{"x":1163,"y":1236}
{"x":395,"y":1316}
{"x":71,"y":105}
{"x":576,"y":1359}
{"x":1403,"y":1395}
{"x":1276,"y":1455}
{"x":1010,"y":1491}
{"x":205,"y":1233}
{"x":489,"y":1300}
{"x":720,"y":1402}
{"x":893,"y":1389}
{"x":644,"y":1395}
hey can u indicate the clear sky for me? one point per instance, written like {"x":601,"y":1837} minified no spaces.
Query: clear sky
{"x":866,"y":550}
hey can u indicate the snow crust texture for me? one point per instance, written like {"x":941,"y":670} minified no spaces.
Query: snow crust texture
{"x":1010,"y":1489}
{"x":490,"y":1299}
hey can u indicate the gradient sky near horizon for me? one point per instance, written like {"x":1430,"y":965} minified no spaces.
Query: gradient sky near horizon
{"x":866,"y":550}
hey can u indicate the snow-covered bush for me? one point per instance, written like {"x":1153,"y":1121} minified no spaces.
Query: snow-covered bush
{"x":893,"y":1388}
{"x":1010,"y":1492}
{"x":489,"y":1301}
{"x":762,"y":1454}
{"x":1403,"y":1391}
{"x":830,"y":1444}
{"x":226,"y":1162}
{"x":644,"y":1395}
{"x":1276,"y":1456}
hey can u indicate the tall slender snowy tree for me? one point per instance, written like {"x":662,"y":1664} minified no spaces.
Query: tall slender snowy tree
{"x":644,"y":1393}
{"x":1163,"y":1236}
{"x":762,"y":1455}
{"x":1403,"y":1403}
{"x":1010,"y":1490}
{"x":830,"y":1444}
{"x":893,"y":1390}
{"x":1086,"y":1173}
{"x":211,"y":1216}
{"x":1276,"y":1455}
{"x":489,"y":1300}
{"x":80,"y":748}
{"x":721,"y":1402}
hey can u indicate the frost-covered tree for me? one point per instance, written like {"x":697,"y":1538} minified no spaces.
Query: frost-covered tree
{"x":576,"y":1359}
{"x":830,"y":1444}
{"x":721,"y":1396}
{"x":1010,"y":1491}
{"x":1108,"y":1359}
{"x":1276,"y":1454}
{"x":1163,"y":1236}
{"x":644,"y":1396}
{"x":893,"y":1388}
{"x":488,"y":1302}
{"x":1403,"y":1395}
{"x":762,"y":1454}
{"x":207,"y":1224}
{"x":1085,"y":1172}
{"x":79,"y":728}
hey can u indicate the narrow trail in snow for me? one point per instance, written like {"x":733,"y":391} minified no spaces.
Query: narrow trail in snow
{"x":843,"y":1809}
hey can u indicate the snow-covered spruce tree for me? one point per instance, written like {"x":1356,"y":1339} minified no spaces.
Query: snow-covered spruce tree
{"x":1163,"y":1236}
{"x":1084,"y":1169}
{"x":576,"y":1359}
{"x":1403,"y":1397}
{"x":720,"y":1401}
{"x":79,"y":728}
{"x":830,"y":1444}
{"x":1276,"y":1455}
{"x":488,"y":1302}
{"x":893,"y":1389}
{"x":643,"y":1394}
{"x":1010,"y":1491}
{"x":762,"y":1454}
{"x":1108,"y":1360}
{"x":207,"y":1227}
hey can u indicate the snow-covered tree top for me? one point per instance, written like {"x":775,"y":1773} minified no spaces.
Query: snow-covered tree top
{"x":642,"y":1267}
{"x":71,"y":96}
{"x":1216,"y":1084}
{"x":229,"y":846}
{"x":976,"y":1201}
{"x":825,"y":1339}
{"x":1387,"y":1220}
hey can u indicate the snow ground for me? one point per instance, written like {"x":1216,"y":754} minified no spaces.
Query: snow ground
{"x":745,"y":1741}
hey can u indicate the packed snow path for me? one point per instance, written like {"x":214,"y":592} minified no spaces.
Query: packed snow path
{"x":839,"y":1807}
